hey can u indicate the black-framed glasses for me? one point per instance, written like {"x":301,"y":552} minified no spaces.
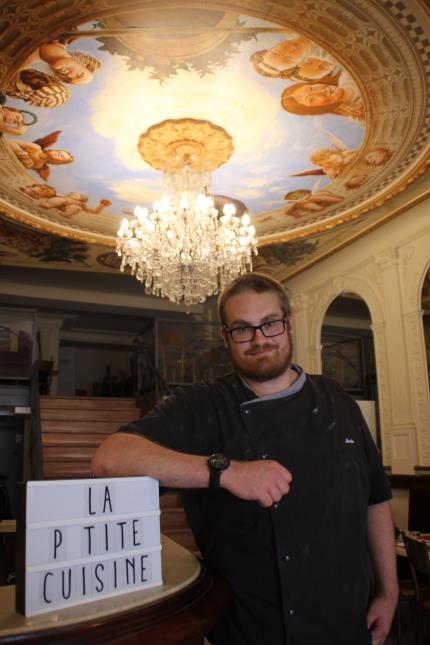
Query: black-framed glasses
{"x":246,"y":333}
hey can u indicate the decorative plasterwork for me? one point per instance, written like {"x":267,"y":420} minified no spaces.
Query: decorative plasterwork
{"x":363,"y":286}
{"x":419,"y":381}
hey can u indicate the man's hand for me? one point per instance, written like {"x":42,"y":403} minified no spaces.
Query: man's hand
{"x":379,"y":618}
{"x":264,"y":481}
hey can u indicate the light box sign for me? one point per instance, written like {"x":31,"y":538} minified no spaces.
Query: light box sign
{"x":81,"y":540}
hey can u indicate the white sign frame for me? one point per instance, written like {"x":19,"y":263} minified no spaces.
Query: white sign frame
{"x":81,"y":540}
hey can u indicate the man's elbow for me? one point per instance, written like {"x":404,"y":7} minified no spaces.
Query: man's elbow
{"x":120,"y":455}
{"x":100,"y":466}
{"x":104,"y":462}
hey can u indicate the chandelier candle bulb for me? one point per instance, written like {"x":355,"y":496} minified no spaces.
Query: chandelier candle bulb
{"x":229,"y":209}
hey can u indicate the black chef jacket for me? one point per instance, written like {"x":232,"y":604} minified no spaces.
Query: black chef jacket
{"x":299,"y":571}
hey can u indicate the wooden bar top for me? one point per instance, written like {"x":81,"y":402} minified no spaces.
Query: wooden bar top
{"x":180,"y":610}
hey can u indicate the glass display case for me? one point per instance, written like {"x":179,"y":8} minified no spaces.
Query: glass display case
{"x":188,"y":352}
{"x":17,"y":343}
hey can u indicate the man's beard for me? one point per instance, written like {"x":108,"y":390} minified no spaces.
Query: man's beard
{"x":267,"y":369}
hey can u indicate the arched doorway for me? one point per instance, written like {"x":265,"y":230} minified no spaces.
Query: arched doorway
{"x":425,"y":306}
{"x":348,"y":354}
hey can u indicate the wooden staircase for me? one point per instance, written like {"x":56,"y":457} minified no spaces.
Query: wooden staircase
{"x":73,"y":427}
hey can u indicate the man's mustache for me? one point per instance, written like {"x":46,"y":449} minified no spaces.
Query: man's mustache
{"x":259,"y":347}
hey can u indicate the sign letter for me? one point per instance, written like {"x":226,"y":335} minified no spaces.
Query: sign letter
{"x":107,"y":500}
{"x":44,"y":586}
{"x":91,"y":512}
{"x":58,"y":538}
{"x":89,"y":528}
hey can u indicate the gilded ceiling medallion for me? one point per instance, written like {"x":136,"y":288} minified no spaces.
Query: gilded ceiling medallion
{"x":203,"y":145}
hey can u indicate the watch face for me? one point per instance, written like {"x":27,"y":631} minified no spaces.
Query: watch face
{"x":218,"y":462}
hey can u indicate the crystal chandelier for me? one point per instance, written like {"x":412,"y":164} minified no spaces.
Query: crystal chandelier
{"x":184,"y":249}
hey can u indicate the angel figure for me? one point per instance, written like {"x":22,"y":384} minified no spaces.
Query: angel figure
{"x":36,"y":156}
{"x":75,"y":67}
{"x":331,"y":161}
{"x":313,"y":203}
{"x":342,"y":98}
{"x":38,"y":89}
{"x":73,"y":203}
{"x":70,"y":204}
{"x":297,"y":58}
{"x":13,"y":121}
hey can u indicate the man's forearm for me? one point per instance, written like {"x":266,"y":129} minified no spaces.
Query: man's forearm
{"x":383,"y":554}
{"x":382,"y":548}
{"x":128,"y":455}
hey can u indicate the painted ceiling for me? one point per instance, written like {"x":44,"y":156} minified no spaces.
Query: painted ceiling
{"x":314,"y":117}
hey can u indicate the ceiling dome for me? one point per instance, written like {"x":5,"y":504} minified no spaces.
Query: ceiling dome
{"x":311,"y":115}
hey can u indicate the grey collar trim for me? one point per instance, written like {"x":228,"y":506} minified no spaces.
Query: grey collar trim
{"x":289,"y":391}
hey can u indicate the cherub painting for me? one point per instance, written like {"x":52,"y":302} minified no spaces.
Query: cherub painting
{"x":45,"y":88}
{"x":111,"y":80}
{"x":299,"y":59}
{"x":38,"y":89}
{"x":73,"y":67}
{"x":35,"y":155}
{"x":321,"y":85}
{"x":330,"y":161}
{"x":15,"y":121}
{"x":71,"y":204}
{"x":313,"y":203}
{"x":342,"y":98}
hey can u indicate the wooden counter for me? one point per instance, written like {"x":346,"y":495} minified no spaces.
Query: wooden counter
{"x":179,"y":612}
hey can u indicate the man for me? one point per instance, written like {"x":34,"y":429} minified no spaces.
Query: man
{"x":285,"y":491}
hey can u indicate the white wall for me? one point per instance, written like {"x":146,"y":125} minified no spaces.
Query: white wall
{"x":386,"y":268}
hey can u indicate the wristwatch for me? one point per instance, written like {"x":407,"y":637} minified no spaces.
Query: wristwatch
{"x":217,"y":463}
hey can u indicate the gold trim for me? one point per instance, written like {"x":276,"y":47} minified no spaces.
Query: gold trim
{"x":34,"y":222}
{"x":342,"y":218}
{"x":283,"y":271}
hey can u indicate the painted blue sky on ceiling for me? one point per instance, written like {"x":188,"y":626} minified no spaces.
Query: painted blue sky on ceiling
{"x":239,"y":83}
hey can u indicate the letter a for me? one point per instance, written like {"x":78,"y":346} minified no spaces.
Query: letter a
{"x":107,"y":501}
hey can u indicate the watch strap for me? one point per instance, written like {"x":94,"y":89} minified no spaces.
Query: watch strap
{"x":214,"y":478}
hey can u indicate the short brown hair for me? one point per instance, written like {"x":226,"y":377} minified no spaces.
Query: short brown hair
{"x":257,"y":282}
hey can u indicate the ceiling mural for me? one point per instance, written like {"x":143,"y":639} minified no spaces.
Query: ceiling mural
{"x":311,"y":116}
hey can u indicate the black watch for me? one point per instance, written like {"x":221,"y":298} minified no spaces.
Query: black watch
{"x":217,"y":463}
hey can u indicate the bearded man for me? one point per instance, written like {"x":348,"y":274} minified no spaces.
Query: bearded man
{"x":283,"y":487}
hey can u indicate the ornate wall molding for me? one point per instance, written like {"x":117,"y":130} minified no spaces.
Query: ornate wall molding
{"x":390,"y":282}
